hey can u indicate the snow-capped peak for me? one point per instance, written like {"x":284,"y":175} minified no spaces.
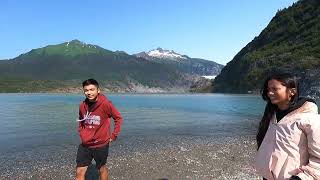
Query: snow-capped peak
{"x":161,"y":53}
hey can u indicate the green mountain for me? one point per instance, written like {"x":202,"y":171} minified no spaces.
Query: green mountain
{"x":290,"y":42}
{"x":69,"y":49}
{"x":64,"y":66}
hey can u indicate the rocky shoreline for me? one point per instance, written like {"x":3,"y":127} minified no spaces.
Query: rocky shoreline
{"x":145,"y":158}
{"x":135,"y":89}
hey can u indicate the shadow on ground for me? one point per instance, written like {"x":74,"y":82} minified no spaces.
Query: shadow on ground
{"x":92,"y":173}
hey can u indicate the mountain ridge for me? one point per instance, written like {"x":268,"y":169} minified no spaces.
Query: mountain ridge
{"x":118,"y":71}
{"x":184,"y":63}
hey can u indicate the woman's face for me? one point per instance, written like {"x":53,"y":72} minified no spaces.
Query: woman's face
{"x":279,"y":94}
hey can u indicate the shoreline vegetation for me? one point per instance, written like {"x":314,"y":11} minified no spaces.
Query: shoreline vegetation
{"x":58,"y":88}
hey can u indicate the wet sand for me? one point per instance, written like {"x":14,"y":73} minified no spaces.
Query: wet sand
{"x":179,"y":157}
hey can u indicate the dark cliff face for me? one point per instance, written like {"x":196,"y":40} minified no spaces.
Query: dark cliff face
{"x":310,"y":83}
{"x":290,"y":42}
{"x":202,"y":86}
{"x":203,"y":67}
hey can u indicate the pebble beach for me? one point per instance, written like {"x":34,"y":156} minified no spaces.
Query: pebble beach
{"x":144,"y":158}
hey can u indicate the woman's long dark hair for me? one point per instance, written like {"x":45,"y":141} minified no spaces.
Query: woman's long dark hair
{"x":288,"y":80}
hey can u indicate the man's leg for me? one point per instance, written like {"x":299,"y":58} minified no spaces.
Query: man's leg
{"x":100,"y":155}
{"x":81,"y":173}
{"x":83,"y":160}
{"x":104,"y":173}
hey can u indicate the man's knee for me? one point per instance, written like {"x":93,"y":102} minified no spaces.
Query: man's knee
{"x":103,"y":169}
{"x":81,"y":171}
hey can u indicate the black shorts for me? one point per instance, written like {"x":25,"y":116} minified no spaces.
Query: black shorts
{"x":85,"y":156}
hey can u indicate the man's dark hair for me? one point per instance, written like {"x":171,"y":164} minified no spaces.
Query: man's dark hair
{"x":89,"y":82}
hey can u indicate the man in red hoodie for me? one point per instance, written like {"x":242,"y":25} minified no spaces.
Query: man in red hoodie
{"x":94,"y":129}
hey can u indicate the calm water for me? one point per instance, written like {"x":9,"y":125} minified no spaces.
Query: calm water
{"x":39,"y":121}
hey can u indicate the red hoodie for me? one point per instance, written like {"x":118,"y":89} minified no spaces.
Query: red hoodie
{"x":94,"y":122}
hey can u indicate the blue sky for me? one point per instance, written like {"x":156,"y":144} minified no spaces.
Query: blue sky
{"x":210,"y":29}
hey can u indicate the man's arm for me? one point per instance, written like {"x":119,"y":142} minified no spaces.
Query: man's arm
{"x":118,"y":120}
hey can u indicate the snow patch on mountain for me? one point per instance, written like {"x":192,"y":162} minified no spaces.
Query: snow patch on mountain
{"x":83,"y":44}
{"x":161,"y":53}
{"x":209,"y":77}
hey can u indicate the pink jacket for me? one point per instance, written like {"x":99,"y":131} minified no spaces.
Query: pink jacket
{"x":291,"y":146}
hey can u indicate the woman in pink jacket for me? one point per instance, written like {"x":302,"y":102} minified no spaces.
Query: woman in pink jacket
{"x":289,"y":133}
